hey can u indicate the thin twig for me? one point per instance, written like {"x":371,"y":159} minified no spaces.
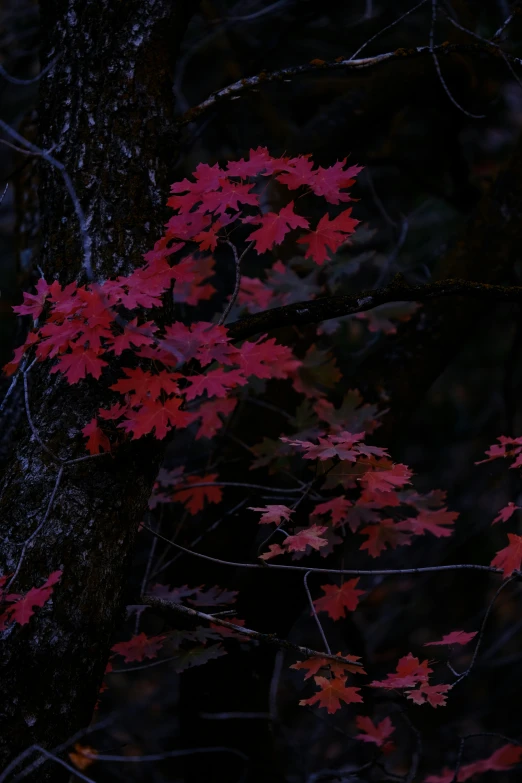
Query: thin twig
{"x":238,"y":260}
{"x":347,"y":571}
{"x":38,"y":528}
{"x":36,"y":435}
{"x":316,"y":618}
{"x":86,"y":239}
{"x":265,"y":638}
{"x":236,"y":89}
{"x":168,"y":754}
{"x":465,"y":673}
{"x":384,"y":29}
{"x":434,"y":6}
{"x":15,"y":80}
{"x":502,"y":27}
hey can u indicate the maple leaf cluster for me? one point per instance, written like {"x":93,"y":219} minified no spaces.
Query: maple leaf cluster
{"x":412,"y":676}
{"x":185,"y":648}
{"x":84,"y":330}
{"x":378,"y":487}
{"x":509,"y":559}
{"x":332,"y":688}
{"x":183,"y":376}
{"x":81,"y":329}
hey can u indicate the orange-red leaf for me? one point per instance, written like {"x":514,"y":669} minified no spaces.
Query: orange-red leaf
{"x":331,"y":693}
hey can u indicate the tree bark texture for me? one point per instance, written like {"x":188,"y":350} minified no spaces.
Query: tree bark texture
{"x":106,"y":110}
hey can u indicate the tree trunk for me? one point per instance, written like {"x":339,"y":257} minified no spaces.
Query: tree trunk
{"x":106,"y":110}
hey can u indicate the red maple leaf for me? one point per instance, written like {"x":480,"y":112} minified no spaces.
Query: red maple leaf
{"x":229,"y":196}
{"x":386,"y":476}
{"x":377,"y":733}
{"x":410,"y":671}
{"x":11,"y":367}
{"x":429,"y":694}
{"x":331,"y":693}
{"x":254,"y":294}
{"x":216,"y":383}
{"x":260,"y":162}
{"x":338,"y":600}
{"x":79,"y":363}
{"x":509,"y":447}
{"x":510,"y":558}
{"x":337,"y":507}
{"x":329,"y":235}
{"x":266,"y":359}
{"x":298,"y":172}
{"x":506,"y":513}
{"x":97,"y":440}
{"x":139,"y":647}
{"x":378,"y":319}
{"x":455,"y":637}
{"x":200,"y":340}
{"x":23,"y":607}
{"x":308,"y":537}
{"x":436,"y":522}
{"x":207,"y":178}
{"x":158,"y":416}
{"x":195,"y":498}
{"x":312,"y":665}
{"x":34,"y":303}
{"x":274,"y":227}
{"x":328,"y":182}
{"x":385,"y":533}
{"x":344,"y":445}
{"x":132,"y":337}
{"x":272,"y":513}
{"x":191,"y":273}
{"x":146,"y":385}
{"x":210,"y":413}
{"x":273,"y":551}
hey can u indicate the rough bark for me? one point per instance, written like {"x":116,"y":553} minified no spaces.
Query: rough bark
{"x":107,"y":110}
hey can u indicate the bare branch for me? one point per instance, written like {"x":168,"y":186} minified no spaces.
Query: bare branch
{"x":347,"y":571}
{"x":264,"y":638}
{"x":337,"y":306}
{"x":236,"y":89}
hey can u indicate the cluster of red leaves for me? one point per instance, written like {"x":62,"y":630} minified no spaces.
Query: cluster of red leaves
{"x":378,"y":488}
{"x":141,"y":646}
{"x":84,"y":327}
{"x":178,"y":375}
{"x":332,"y":688}
{"x":412,"y":676}
{"x":508,"y":559}
{"x":21,"y":607}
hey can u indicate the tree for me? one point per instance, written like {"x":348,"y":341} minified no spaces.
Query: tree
{"x":70,"y":519}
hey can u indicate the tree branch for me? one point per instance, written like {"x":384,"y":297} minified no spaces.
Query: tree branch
{"x":329,"y":307}
{"x":169,"y":608}
{"x":236,"y":89}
